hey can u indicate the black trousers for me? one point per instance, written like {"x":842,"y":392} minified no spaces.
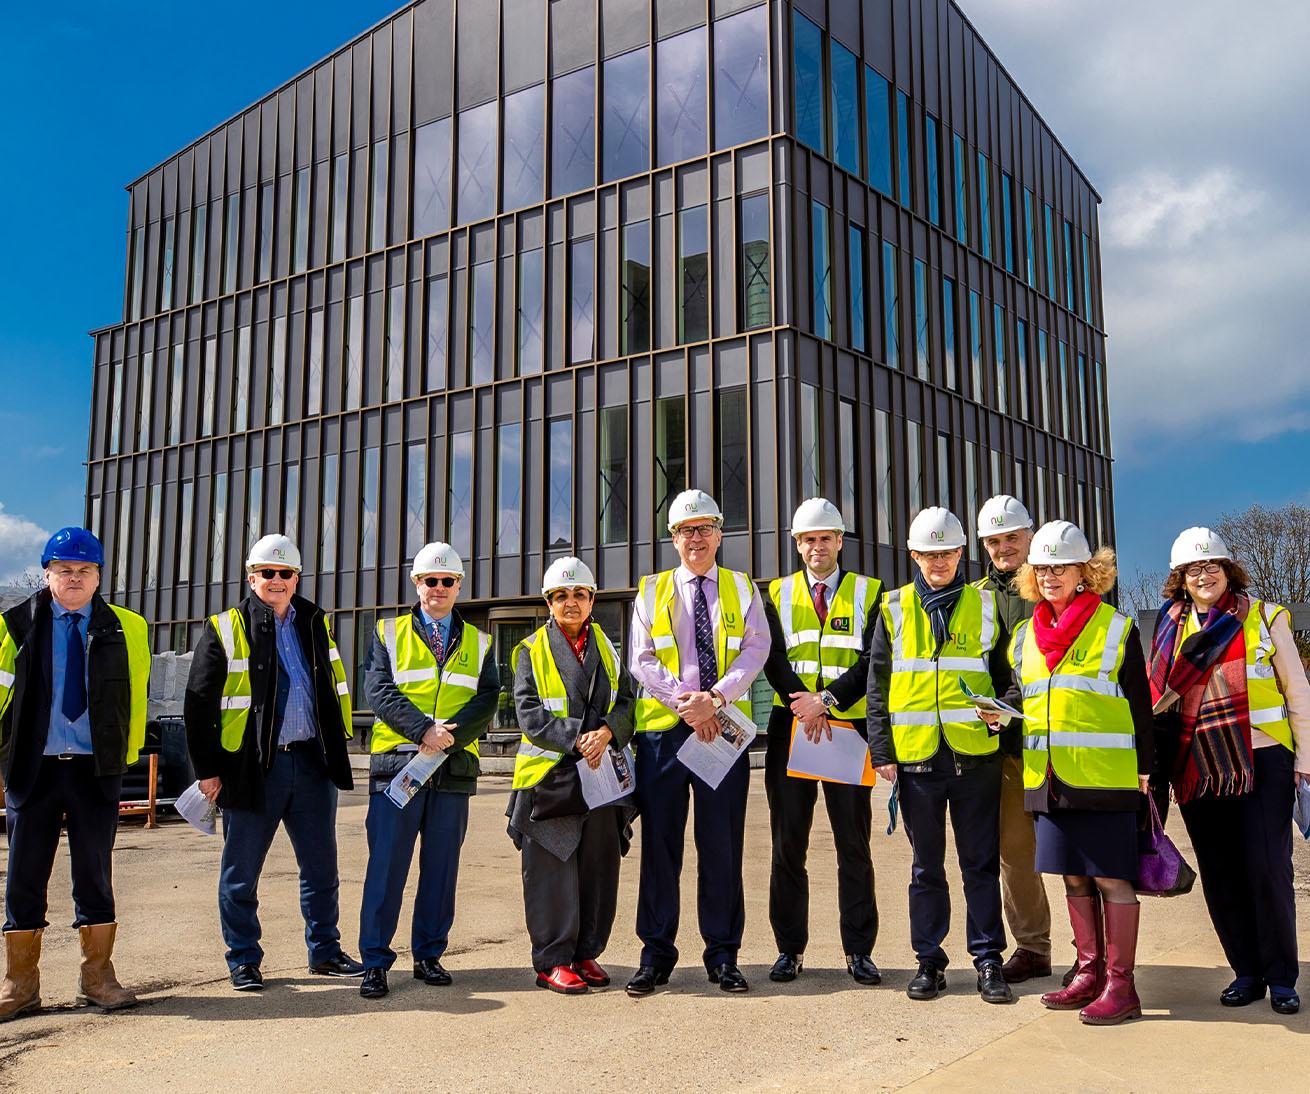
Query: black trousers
{"x":72,"y":788}
{"x":569,"y":905}
{"x":1243,"y":851}
{"x":974,"y":800}
{"x":791,"y":815}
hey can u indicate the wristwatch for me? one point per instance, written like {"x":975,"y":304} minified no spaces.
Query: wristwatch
{"x":716,"y":699}
{"x":829,"y":700}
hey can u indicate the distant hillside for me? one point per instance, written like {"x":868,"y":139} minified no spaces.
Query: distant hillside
{"x":11,"y":595}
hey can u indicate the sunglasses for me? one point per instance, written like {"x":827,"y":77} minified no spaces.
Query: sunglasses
{"x":269,"y":575}
{"x":446,"y":582}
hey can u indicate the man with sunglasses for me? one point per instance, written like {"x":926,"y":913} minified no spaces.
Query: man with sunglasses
{"x":699,"y":639}
{"x":268,"y":716}
{"x":432,"y":682}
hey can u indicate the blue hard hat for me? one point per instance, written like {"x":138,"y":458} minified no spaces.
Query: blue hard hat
{"x":73,"y":545}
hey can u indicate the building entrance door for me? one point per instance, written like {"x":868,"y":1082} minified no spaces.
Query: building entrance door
{"x":509,"y":626}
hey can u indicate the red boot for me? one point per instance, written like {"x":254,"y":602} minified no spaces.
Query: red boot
{"x":1118,"y":1002}
{"x":1089,"y":969}
{"x":592,"y":974}
{"x":561,"y":979}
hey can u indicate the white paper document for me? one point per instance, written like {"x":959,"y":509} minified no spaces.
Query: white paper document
{"x":197,"y":810}
{"x":841,"y":760}
{"x":615,"y":778}
{"x":989,"y":703}
{"x":711,"y":761}
{"x":413,"y":775}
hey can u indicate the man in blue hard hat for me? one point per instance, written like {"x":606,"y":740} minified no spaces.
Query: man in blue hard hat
{"x":74,"y":675}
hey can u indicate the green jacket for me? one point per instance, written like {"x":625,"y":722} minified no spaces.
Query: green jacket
{"x":1011,"y":610}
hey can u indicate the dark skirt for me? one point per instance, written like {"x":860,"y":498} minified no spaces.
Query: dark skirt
{"x":1087,"y":843}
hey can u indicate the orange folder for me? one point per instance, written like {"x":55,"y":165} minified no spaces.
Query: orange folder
{"x":868,"y":778}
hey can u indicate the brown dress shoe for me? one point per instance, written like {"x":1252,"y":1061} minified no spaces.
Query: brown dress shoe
{"x":1025,"y":965}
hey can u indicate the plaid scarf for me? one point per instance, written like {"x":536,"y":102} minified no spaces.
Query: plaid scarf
{"x":1206,"y":677}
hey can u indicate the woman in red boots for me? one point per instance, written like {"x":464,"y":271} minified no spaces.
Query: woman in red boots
{"x":1087,"y":751}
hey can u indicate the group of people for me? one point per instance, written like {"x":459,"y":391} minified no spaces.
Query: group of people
{"x":1220,"y":712}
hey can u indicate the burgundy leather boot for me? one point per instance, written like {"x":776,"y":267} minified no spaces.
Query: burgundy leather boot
{"x":1088,"y":936}
{"x":1118,"y":1002}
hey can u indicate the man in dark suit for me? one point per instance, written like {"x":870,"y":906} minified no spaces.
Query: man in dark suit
{"x":74,"y":676}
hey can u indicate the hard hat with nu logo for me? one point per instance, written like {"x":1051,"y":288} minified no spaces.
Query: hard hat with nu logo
{"x":1197,"y":545}
{"x":567,"y":573}
{"x":437,"y":558}
{"x":693,"y":505}
{"x":1059,"y":543}
{"x":935,"y":529}
{"x":274,"y":550}
{"x":1002,"y":514}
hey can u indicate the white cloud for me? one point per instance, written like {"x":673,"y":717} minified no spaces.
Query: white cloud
{"x":1155,"y":208}
{"x":21,"y":541}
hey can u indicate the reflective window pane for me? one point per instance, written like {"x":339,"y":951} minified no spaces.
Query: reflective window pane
{"x":582,"y":294}
{"x":231,"y":240}
{"x":416,"y":498}
{"x":984,"y":207}
{"x":459,"y":500}
{"x":210,"y":390}
{"x":811,"y":463}
{"x":573,"y":132}
{"x":509,"y":488}
{"x":477,"y":163}
{"x":175,"y":382}
{"x":1030,"y":264}
{"x":327,"y":527}
{"x":301,"y":210}
{"x":948,"y":333}
{"x":241,"y":389}
{"x":368,"y":509}
{"x":1068,"y":266}
{"x":807,"y":81}
{"x":891,"y":327}
{"x":930,"y":140}
{"x":340,"y":206}
{"x":185,"y":522}
{"x":1087,"y":278}
{"x":694,"y":275}
{"x":116,"y":409}
{"x":680,"y":97}
{"x":291,"y":503}
{"x":635,"y":288}
{"x":847,"y":465}
{"x":1007,"y":221}
{"x":314,"y":364}
{"x":1021,"y":363}
{"x":944,"y":471}
{"x":614,"y":474}
{"x":355,"y":352}
{"x":217,"y":529}
{"x":845,"y":107}
{"x":922,"y":364}
{"x":166,"y":267}
{"x":560,"y":509}
{"x":254,"y":505}
{"x":961,"y":189}
{"x":878,"y":130}
{"x":438,"y":339}
{"x":524,"y":147}
{"x":266,"y":210}
{"x":199,"y":230}
{"x":1002,"y":370}
{"x":753,"y":262}
{"x":625,"y":132}
{"x":855,"y":270}
{"x":975,"y":346}
{"x":882,"y":462}
{"x":395,"y":358}
{"x":138,"y":251}
{"x":914,"y":464}
{"x":277,"y":366}
{"x":733,"y":487}
{"x":531,"y":314}
{"x":432,"y":178}
{"x":378,"y":191}
{"x":145,"y":404}
{"x":903,"y":163}
{"x":741,"y":77}
{"x":670,"y":456}
{"x":482,"y":322}
{"x":1052,"y":275}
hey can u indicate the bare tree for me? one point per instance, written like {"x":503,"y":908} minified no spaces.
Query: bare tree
{"x":31,"y":578}
{"x":1274,"y":546}
{"x":1141,"y":592}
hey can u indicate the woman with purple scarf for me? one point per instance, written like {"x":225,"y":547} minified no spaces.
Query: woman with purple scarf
{"x":1233,"y":711}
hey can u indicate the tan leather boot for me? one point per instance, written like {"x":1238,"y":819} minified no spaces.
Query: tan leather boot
{"x":98,"y":984}
{"x":21,"y":989}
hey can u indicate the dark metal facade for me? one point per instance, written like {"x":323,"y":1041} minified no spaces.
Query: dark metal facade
{"x":420,"y":292}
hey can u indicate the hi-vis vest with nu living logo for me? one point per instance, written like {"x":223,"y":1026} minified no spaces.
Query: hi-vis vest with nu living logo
{"x":658,"y":594}
{"x":924,"y":699}
{"x":414,"y":669}
{"x":234,"y":706}
{"x":1077,"y":721}
{"x":820,"y":654}
{"x":532,"y":764}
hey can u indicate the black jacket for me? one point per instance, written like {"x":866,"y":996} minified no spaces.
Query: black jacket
{"x":243,"y":771}
{"x":459,"y":774}
{"x":26,"y":722}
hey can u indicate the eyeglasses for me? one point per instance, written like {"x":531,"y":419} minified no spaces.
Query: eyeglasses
{"x":1200,"y":568}
{"x":269,"y":575}
{"x":1054,"y":571}
{"x":697,"y":531}
{"x":444,"y":582}
{"x":936,"y":556}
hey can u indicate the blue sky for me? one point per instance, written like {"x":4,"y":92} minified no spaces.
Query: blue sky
{"x":1184,"y":118}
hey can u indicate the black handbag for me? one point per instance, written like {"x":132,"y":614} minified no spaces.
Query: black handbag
{"x":559,"y":794}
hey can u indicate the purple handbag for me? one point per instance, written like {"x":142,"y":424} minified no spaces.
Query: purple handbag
{"x":1161,"y":868}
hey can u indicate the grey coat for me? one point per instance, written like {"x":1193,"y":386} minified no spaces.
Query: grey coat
{"x":560,"y":835}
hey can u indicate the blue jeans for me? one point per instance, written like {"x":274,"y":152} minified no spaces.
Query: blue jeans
{"x":299,"y":795}
{"x":442,"y":820}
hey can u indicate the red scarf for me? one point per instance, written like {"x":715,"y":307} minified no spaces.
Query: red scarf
{"x":1055,"y":636}
{"x":579,"y":644}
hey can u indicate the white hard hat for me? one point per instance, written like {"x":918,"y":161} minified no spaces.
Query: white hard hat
{"x":274,"y":550}
{"x":935,"y":529}
{"x":1197,"y":545}
{"x":1002,"y":514}
{"x":567,"y":573}
{"x":691,"y":505}
{"x":437,"y":558}
{"x":816,"y":515}
{"x":1058,"y":542}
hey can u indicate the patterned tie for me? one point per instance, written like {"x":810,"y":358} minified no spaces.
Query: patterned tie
{"x":821,"y":602}
{"x":74,"y":704}
{"x":705,"y":659}
{"x":438,"y":646}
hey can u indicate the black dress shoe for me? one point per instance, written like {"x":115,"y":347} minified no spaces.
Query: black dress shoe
{"x":374,"y":985}
{"x":247,"y":978}
{"x":429,"y":970}
{"x":1284,"y":1000}
{"x":1242,"y":992}
{"x":991,"y":983}
{"x":645,"y":980}
{"x":862,"y":969}
{"x":786,"y":968}
{"x":729,"y":978}
{"x":928,"y":983}
{"x":340,"y":965}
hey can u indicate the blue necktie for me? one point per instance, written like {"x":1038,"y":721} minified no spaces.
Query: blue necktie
{"x":74,"y":670}
{"x":705,"y":659}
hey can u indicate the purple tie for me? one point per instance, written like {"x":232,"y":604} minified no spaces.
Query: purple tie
{"x":821,"y":602}
{"x":706,"y":662}
{"x":438,"y":646}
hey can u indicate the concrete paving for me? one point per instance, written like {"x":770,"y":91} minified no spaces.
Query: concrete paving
{"x":493,"y":1030}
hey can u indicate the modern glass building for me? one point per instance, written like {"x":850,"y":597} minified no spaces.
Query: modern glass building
{"x":513,"y":273}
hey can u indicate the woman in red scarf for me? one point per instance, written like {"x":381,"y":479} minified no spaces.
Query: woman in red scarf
{"x":1087,"y":750}
{"x":1235,"y":709}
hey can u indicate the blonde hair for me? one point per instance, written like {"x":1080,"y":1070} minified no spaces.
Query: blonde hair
{"x":1097,"y":574}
